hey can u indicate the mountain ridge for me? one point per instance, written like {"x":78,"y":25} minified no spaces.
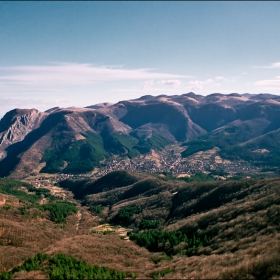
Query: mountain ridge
{"x":54,"y":139}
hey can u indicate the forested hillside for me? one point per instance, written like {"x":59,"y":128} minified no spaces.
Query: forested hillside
{"x":177,"y":229}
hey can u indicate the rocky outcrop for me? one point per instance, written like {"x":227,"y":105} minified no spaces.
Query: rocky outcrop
{"x":16,"y":124}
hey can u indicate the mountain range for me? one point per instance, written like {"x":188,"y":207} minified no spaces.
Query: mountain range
{"x":76,"y":140}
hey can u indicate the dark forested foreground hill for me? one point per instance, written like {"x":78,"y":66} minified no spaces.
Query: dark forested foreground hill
{"x":77,"y":140}
{"x":176,"y":229}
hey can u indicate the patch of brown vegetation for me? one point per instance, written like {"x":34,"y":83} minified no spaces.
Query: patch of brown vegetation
{"x":29,"y":275}
{"x":240,"y":217}
{"x":107,"y":250}
{"x":24,"y":236}
{"x":2,"y":199}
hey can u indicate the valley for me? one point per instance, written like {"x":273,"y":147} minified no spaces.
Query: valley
{"x":168,"y":161}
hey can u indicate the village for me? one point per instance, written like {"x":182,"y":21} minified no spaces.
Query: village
{"x":167,"y":161}
{"x":170,"y":161}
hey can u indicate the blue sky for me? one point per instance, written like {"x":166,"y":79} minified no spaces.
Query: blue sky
{"x":82,"y":53}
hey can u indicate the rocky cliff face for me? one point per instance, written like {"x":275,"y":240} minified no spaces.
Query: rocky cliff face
{"x":16,"y":124}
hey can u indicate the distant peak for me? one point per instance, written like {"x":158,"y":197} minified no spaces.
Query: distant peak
{"x":146,"y":97}
{"x":100,"y":105}
{"x":215,"y":95}
{"x":264,"y":96}
{"x":51,"y":110}
{"x":190,"y":94}
{"x":235,"y":95}
{"x":18,"y":112}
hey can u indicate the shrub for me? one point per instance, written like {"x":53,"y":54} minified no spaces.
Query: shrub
{"x":9,"y":186}
{"x":59,"y":211}
{"x":7,"y":207}
{"x":96,"y":209}
{"x":129,"y":211}
{"x":149,"y":224}
{"x":126,"y":213}
{"x":161,"y":240}
{"x":160,"y":273}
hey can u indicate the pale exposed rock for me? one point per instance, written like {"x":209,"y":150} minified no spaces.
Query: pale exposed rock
{"x":18,"y":124}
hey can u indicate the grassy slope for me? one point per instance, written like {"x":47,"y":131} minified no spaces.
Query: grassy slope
{"x":156,"y":142}
{"x":236,"y":144}
{"x":230,"y":135}
{"x":82,"y":155}
{"x":249,"y":151}
{"x":121,"y":143}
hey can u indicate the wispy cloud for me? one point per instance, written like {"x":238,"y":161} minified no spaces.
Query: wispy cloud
{"x":211,"y":82}
{"x":197,"y":84}
{"x":147,"y":84}
{"x":140,"y":90}
{"x":80,"y":84}
{"x":29,"y":103}
{"x":74,"y":74}
{"x":272,"y":65}
{"x":269,"y":84}
{"x":7,"y":104}
{"x":174,"y":83}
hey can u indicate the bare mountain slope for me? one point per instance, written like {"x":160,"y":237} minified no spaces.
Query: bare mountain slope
{"x":57,"y":133}
{"x":16,"y":124}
